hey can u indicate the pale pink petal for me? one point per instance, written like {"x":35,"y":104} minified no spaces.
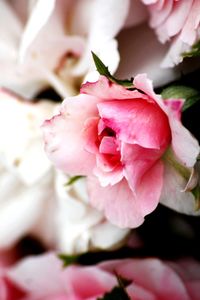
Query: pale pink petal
{"x":117,"y":202}
{"x":140,"y":293}
{"x":135,"y":122}
{"x":123,"y":207}
{"x":39,"y":275}
{"x":88,"y":282}
{"x":173,"y":195}
{"x":105,"y":89}
{"x":189,"y":33}
{"x":43,"y":277}
{"x":105,"y":178}
{"x":153,"y":275}
{"x":173,"y":56}
{"x":185,"y":146}
{"x":65,"y":137}
{"x":159,"y":12}
{"x":175,"y":22}
{"x":141,"y":82}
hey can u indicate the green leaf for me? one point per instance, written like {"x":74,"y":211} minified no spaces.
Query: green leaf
{"x":73,"y":179}
{"x":103,"y":70}
{"x":196,"y":193}
{"x":68,"y":259}
{"x":190,"y":95}
{"x":118,"y":292}
{"x":194,"y":52}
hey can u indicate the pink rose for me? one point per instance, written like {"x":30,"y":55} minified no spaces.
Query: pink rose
{"x":44,"y":278}
{"x":175,"y":21}
{"x":117,"y":137}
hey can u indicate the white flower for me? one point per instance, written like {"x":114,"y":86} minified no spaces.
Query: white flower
{"x":48,"y":44}
{"x":33,"y":196}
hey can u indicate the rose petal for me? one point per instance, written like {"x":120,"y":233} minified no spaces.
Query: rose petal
{"x":135,"y":122}
{"x":105,"y":89}
{"x":172,"y":193}
{"x":65,"y":137}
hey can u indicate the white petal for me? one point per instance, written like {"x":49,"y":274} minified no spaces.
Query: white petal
{"x":108,"y":17}
{"x":80,"y":226}
{"x":21,"y":148}
{"x":39,"y":17}
{"x":21,"y":209}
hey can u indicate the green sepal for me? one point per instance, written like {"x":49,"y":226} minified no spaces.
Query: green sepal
{"x":73,"y":179}
{"x":118,"y":292}
{"x":103,"y":70}
{"x":190,"y":95}
{"x":194,"y":52}
{"x":196,"y":194}
{"x":68,"y":259}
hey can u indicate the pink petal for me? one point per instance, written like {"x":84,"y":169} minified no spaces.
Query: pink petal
{"x":175,"y":22}
{"x":105,"y":89}
{"x":121,"y":206}
{"x":141,"y":82}
{"x":65,"y":137}
{"x":108,"y":145}
{"x":175,"y":106}
{"x":88,"y":282}
{"x":137,"y":161}
{"x":189,"y":33}
{"x":39,"y":275}
{"x":185,"y":146}
{"x":104,"y":176}
{"x":159,"y":13}
{"x":135,"y":122}
{"x":117,"y":202}
{"x":152,"y":274}
{"x":149,"y":190}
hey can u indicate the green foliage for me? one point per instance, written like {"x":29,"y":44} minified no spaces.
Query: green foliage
{"x":73,"y":179}
{"x":194,"y":52}
{"x":68,"y":259}
{"x":103,"y":70}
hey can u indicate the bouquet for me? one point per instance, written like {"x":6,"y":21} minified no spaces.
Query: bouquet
{"x":99,"y":127}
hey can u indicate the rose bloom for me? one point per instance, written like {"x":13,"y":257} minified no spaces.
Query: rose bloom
{"x":43,"y":277}
{"x":177,"y":22}
{"x":34,"y":197}
{"x":49,"y":45}
{"x":119,"y":138}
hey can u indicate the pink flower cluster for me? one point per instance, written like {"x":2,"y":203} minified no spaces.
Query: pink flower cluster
{"x":44,"y":278}
{"x":118,"y":138}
